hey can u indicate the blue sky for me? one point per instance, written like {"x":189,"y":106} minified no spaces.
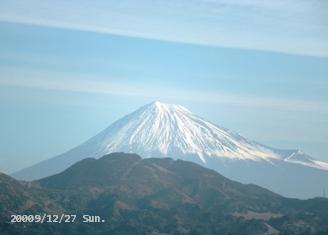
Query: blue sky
{"x":257,"y":67}
{"x":294,"y":26}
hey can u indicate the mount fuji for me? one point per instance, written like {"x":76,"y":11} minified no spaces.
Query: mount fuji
{"x":167,"y":130}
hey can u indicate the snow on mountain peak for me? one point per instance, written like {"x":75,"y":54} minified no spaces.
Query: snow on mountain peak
{"x":165,"y":107}
{"x":169,"y":130}
{"x":298,"y":157}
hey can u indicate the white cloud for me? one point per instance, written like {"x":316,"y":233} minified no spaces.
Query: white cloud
{"x":84,"y":84}
{"x":287,"y":26}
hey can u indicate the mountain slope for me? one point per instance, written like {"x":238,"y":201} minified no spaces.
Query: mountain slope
{"x":165,"y":196}
{"x":167,"y":130}
{"x":16,"y":197}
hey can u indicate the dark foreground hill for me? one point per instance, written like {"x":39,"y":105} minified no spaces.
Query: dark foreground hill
{"x":155,"y":196}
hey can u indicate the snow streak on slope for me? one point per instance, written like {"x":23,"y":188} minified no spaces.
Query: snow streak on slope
{"x":167,"y":130}
{"x":299,"y":157}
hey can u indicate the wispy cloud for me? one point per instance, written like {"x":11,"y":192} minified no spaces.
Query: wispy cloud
{"x":289,"y":26}
{"x":84,"y":84}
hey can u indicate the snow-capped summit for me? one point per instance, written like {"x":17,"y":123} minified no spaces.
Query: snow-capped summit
{"x":168,"y":130}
